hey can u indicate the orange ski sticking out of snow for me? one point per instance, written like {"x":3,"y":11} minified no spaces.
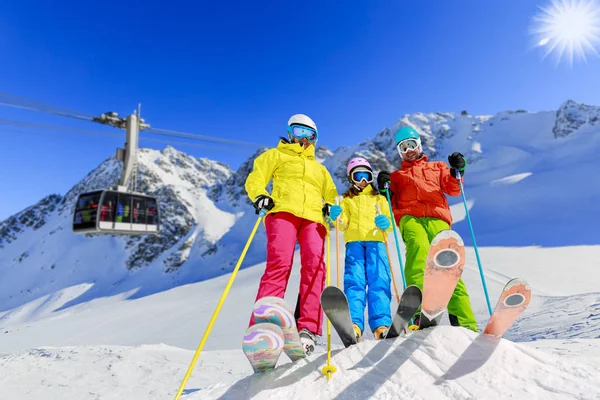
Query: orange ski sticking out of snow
{"x":513,"y":301}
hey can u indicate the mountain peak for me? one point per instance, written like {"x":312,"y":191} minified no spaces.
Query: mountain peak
{"x":573,"y":115}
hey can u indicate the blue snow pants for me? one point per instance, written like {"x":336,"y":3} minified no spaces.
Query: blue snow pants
{"x":367,"y":275}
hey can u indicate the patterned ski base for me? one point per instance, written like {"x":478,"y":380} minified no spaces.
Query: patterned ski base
{"x":444,"y":267}
{"x":513,"y":301}
{"x":277,"y":311}
{"x":410,"y":301}
{"x":262,"y":345}
{"x":335,"y":306}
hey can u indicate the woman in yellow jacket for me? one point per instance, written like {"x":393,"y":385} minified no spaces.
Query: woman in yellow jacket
{"x":295,"y":214}
{"x":366,"y":257}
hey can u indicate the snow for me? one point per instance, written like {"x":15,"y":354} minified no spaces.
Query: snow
{"x":80,"y":320}
{"x":140,"y":348}
{"x":425,"y":366}
{"x":511,"y":179}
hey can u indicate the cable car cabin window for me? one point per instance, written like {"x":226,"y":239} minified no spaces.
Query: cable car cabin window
{"x":151,"y":213}
{"x":138,"y":214}
{"x":86,"y":211}
{"x":123,"y":209}
{"x":108,"y":208}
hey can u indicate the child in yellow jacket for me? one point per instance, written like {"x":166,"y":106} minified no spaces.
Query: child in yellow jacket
{"x":367,"y":269}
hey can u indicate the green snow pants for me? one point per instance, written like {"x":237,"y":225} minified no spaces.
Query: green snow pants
{"x":417,"y":234}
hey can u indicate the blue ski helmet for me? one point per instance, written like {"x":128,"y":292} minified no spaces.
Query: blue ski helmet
{"x":406,"y":132}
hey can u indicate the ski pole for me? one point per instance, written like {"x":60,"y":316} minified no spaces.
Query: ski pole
{"x":462,"y":191}
{"x":218,"y":309}
{"x":337,"y":243}
{"x":387,"y":193}
{"x":387,"y":249}
{"x":329,"y":369}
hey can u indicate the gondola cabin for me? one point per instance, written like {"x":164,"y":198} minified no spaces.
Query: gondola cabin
{"x":116,"y":213}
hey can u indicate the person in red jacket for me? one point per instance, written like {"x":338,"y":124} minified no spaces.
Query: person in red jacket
{"x":418,"y":194}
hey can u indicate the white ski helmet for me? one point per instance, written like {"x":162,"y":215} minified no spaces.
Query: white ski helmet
{"x":301,"y":119}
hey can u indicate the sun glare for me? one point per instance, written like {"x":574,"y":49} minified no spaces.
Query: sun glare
{"x":570,"y":29}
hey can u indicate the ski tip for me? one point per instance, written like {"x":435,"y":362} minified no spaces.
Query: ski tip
{"x":516,"y":281}
{"x":412,"y":289}
{"x":332,"y":290}
{"x":272,"y":300}
{"x":447,"y":234}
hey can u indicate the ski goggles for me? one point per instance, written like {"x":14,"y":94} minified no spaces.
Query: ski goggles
{"x":302,"y":132}
{"x":408,"y":145}
{"x":361,"y":174}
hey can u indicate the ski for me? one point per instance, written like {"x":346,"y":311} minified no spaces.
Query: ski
{"x":444,"y":266}
{"x":262,"y":345}
{"x":277,"y":311}
{"x":336,"y":308}
{"x":410,"y":301}
{"x":513,"y":301}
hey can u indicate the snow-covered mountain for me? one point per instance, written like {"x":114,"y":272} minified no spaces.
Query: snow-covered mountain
{"x":528,"y":173}
{"x":112,"y":317}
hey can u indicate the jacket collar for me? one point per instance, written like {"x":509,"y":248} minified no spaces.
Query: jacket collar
{"x":367,"y":190}
{"x":296,"y":148}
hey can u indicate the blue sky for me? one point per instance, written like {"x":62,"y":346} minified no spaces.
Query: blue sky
{"x":238,"y":70}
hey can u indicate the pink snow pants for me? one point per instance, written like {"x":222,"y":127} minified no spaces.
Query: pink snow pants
{"x":283,"y":230}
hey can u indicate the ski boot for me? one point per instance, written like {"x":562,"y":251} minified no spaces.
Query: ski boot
{"x":308,"y":340}
{"x":415,"y":326}
{"x":380,"y":332}
{"x":357,"y":332}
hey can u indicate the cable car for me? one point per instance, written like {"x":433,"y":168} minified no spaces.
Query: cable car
{"x":118,"y":211}
{"x":113,"y":212}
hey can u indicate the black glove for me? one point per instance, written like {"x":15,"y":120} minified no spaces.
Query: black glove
{"x":263,"y":201}
{"x":457,"y":162}
{"x":382,"y":178}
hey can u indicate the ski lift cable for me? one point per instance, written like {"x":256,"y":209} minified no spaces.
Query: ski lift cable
{"x":45,"y":105}
{"x":205,"y":146}
{"x":205,"y":138}
{"x":4,"y":130}
{"x":163,"y":132}
{"x":30,"y":125}
{"x":15,"y":101}
{"x":51,"y":111}
{"x":51,"y":127}
{"x":89,"y":132}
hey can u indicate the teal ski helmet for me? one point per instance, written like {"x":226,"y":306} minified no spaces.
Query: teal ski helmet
{"x":406,"y":132}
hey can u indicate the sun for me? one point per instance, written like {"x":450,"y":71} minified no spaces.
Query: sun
{"x":568,"y":28}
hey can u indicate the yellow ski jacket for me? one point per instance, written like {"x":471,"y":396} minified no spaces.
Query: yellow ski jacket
{"x":358,"y":216}
{"x":300,"y":182}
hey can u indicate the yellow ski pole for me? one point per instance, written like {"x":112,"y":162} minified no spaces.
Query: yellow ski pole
{"x":329,"y":369}
{"x":218,"y":309}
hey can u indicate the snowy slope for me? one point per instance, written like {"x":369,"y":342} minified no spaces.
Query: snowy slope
{"x":114,"y":347}
{"x":443,"y":363}
{"x":422,"y":366}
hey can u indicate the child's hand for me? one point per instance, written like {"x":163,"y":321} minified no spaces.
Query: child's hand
{"x":334,"y":212}
{"x":382,"y":222}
